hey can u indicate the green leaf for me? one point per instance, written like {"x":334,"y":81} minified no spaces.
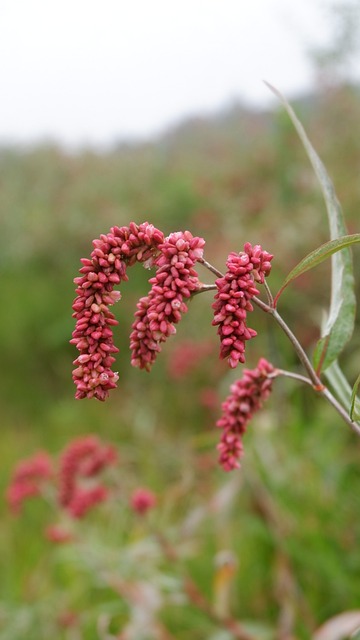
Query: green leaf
{"x":339,"y":326}
{"x":316,"y":257}
{"x":342,"y":390}
{"x":355,"y":402}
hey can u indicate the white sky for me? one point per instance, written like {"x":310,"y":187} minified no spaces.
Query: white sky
{"x":95,"y":71}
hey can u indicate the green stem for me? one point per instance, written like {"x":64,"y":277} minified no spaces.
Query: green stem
{"x":290,"y":374}
{"x":316,"y":382}
{"x":314,"y":378}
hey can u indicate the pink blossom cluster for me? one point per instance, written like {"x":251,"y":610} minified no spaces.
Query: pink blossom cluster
{"x":93,"y":335}
{"x":77,"y":483}
{"x":28,"y":479}
{"x":142,"y":500}
{"x":246,"y":397}
{"x":233,"y":300}
{"x":175,"y":281}
{"x":82,"y":460}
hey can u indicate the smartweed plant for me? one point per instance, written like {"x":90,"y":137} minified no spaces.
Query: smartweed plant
{"x":176,"y":280}
{"x":88,"y":474}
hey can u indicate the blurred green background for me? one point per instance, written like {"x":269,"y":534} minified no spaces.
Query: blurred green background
{"x":293,"y":521}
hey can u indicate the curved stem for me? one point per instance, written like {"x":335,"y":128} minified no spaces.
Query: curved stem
{"x":290,"y":374}
{"x":314,"y":379}
{"x":340,"y":409}
{"x":269,"y":294}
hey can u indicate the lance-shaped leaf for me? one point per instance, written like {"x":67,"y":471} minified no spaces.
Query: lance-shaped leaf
{"x":355,"y":403}
{"x":339,"y":326}
{"x":316,"y":257}
{"x":342,"y":389}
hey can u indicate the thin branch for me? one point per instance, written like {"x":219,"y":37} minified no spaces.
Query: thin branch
{"x":340,"y":409}
{"x":316,"y":382}
{"x":290,"y":374}
{"x":262,"y":305}
{"x":205,"y":287}
{"x":211,"y":267}
{"x":269,"y":294}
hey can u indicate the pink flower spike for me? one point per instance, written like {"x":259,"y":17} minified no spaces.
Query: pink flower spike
{"x":28,"y":478}
{"x":85,"y":499}
{"x":247,"y":396}
{"x":233,"y":300}
{"x":112,"y":254}
{"x":85,"y":457}
{"x":174,"y":282}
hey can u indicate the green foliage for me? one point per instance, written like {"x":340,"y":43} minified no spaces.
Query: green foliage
{"x":339,"y":325}
{"x":317,"y":257}
{"x":354,"y":405}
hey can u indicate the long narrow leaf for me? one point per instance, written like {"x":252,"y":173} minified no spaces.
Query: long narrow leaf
{"x":316,"y":257}
{"x":343,"y":391}
{"x":339,"y":326}
{"x":355,"y":404}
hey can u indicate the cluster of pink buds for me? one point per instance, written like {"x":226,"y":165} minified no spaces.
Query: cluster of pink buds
{"x":246,"y":397}
{"x":28,"y":479}
{"x":93,"y":335}
{"x":233,"y":300}
{"x":157,"y":313}
{"x":77,"y":484}
{"x":175,"y":281}
{"x":82,"y":461}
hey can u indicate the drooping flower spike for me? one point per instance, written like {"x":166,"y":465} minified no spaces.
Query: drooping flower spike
{"x":235,"y":291}
{"x":93,"y":335}
{"x":247,"y":396}
{"x":84,"y":458}
{"x":175,"y":281}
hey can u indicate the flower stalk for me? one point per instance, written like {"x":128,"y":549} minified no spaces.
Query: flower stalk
{"x":313,"y":378}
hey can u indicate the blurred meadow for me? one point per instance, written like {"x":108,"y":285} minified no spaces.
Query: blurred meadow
{"x":290,"y":515}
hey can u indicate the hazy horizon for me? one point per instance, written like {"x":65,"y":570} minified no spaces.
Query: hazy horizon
{"x":90,"y":74}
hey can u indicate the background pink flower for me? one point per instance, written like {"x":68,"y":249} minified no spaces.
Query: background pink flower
{"x":142,"y":500}
{"x":28,"y":478}
{"x":85,"y":457}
